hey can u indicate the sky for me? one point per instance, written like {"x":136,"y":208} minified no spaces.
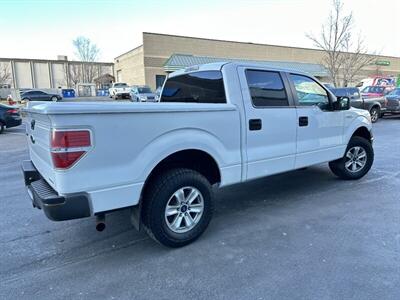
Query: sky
{"x":45,"y":28}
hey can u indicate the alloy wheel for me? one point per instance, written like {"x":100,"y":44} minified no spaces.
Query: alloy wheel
{"x":184,"y":209}
{"x":356,"y":159}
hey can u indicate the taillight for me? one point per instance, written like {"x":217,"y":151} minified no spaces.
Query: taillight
{"x":67,"y":147}
{"x":12,"y":111}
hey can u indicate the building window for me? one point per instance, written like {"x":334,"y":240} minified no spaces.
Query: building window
{"x":160,"y":80}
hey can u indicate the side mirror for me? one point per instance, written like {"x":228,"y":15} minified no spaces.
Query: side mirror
{"x":342,"y":103}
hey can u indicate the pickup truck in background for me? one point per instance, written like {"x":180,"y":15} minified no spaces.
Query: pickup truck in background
{"x":216,"y":125}
{"x":375,"y":105}
{"x":119,"y":90}
{"x":393,"y":102}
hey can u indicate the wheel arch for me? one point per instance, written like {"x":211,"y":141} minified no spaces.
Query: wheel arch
{"x":195,"y":159}
{"x":363,"y":132}
{"x":375,"y":105}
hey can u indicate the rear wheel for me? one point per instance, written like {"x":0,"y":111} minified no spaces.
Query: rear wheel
{"x":177,"y":207}
{"x":375,"y":112}
{"x":2,"y":126}
{"x":54,"y":99}
{"x":357,"y":160}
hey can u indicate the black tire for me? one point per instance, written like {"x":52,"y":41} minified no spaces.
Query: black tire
{"x":375,"y":113}
{"x":2,"y":126}
{"x":54,"y":99}
{"x":157,"y":196}
{"x":338,"y":166}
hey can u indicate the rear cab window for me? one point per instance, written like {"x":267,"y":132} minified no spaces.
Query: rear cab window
{"x":196,"y":87}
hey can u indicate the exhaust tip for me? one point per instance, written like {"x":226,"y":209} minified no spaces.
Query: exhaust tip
{"x":100,"y":222}
{"x":100,"y":226}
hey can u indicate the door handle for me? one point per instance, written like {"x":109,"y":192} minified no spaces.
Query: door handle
{"x":255,"y":124}
{"x":303,"y":121}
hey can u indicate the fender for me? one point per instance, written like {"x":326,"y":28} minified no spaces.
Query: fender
{"x":358,"y":122}
{"x":185,"y":139}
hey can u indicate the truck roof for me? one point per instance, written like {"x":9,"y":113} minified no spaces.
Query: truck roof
{"x":219,"y":65}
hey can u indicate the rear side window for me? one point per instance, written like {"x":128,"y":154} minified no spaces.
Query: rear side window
{"x":266,"y":88}
{"x":198,"y":87}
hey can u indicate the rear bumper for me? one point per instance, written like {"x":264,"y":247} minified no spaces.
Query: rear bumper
{"x":13,"y":122}
{"x":55,"y":207}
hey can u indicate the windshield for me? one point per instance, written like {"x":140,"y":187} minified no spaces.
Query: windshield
{"x":395,"y":92}
{"x":144,"y":90}
{"x":120,"y":85}
{"x":374,"y":89}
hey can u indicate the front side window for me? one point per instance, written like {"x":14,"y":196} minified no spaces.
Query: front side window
{"x":266,"y":88}
{"x":197,"y":87}
{"x":309,"y":92}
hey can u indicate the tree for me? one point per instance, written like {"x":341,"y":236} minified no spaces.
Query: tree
{"x":345,"y":55}
{"x":5,"y":73}
{"x":73,"y":74}
{"x":87,"y":52}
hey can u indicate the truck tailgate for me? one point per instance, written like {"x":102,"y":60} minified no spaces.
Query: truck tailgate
{"x":38,"y":131}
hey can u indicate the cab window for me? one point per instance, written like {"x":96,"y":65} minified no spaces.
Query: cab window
{"x":197,"y":87}
{"x":309,"y":92}
{"x":266,"y":88}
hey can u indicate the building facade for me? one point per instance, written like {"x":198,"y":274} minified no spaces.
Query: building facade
{"x":47,"y":74}
{"x":150,"y":62}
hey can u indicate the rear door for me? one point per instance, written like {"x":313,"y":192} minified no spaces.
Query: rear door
{"x":319,"y":128}
{"x":270,"y":122}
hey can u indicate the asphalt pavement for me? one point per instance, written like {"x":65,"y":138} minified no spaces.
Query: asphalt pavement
{"x":299,"y":235}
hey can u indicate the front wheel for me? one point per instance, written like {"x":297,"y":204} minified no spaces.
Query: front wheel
{"x":2,"y":126}
{"x":54,"y":99}
{"x":375,"y":112}
{"x":357,"y":160}
{"x":177,"y":207}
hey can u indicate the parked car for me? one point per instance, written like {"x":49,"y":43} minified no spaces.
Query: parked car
{"x":9,"y":117}
{"x":375,"y":106}
{"x":216,"y":125}
{"x":119,"y":90}
{"x":37,"y":95}
{"x":393,"y":101}
{"x":142,"y":94}
{"x":375,"y":91}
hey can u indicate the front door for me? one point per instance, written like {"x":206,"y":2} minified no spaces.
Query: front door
{"x":270,"y":122}
{"x":319,"y":128}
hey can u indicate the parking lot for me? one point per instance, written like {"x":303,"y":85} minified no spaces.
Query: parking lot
{"x":299,"y":235}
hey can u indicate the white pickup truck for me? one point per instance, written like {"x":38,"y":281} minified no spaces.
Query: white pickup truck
{"x":119,"y":90}
{"x":216,"y":125}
